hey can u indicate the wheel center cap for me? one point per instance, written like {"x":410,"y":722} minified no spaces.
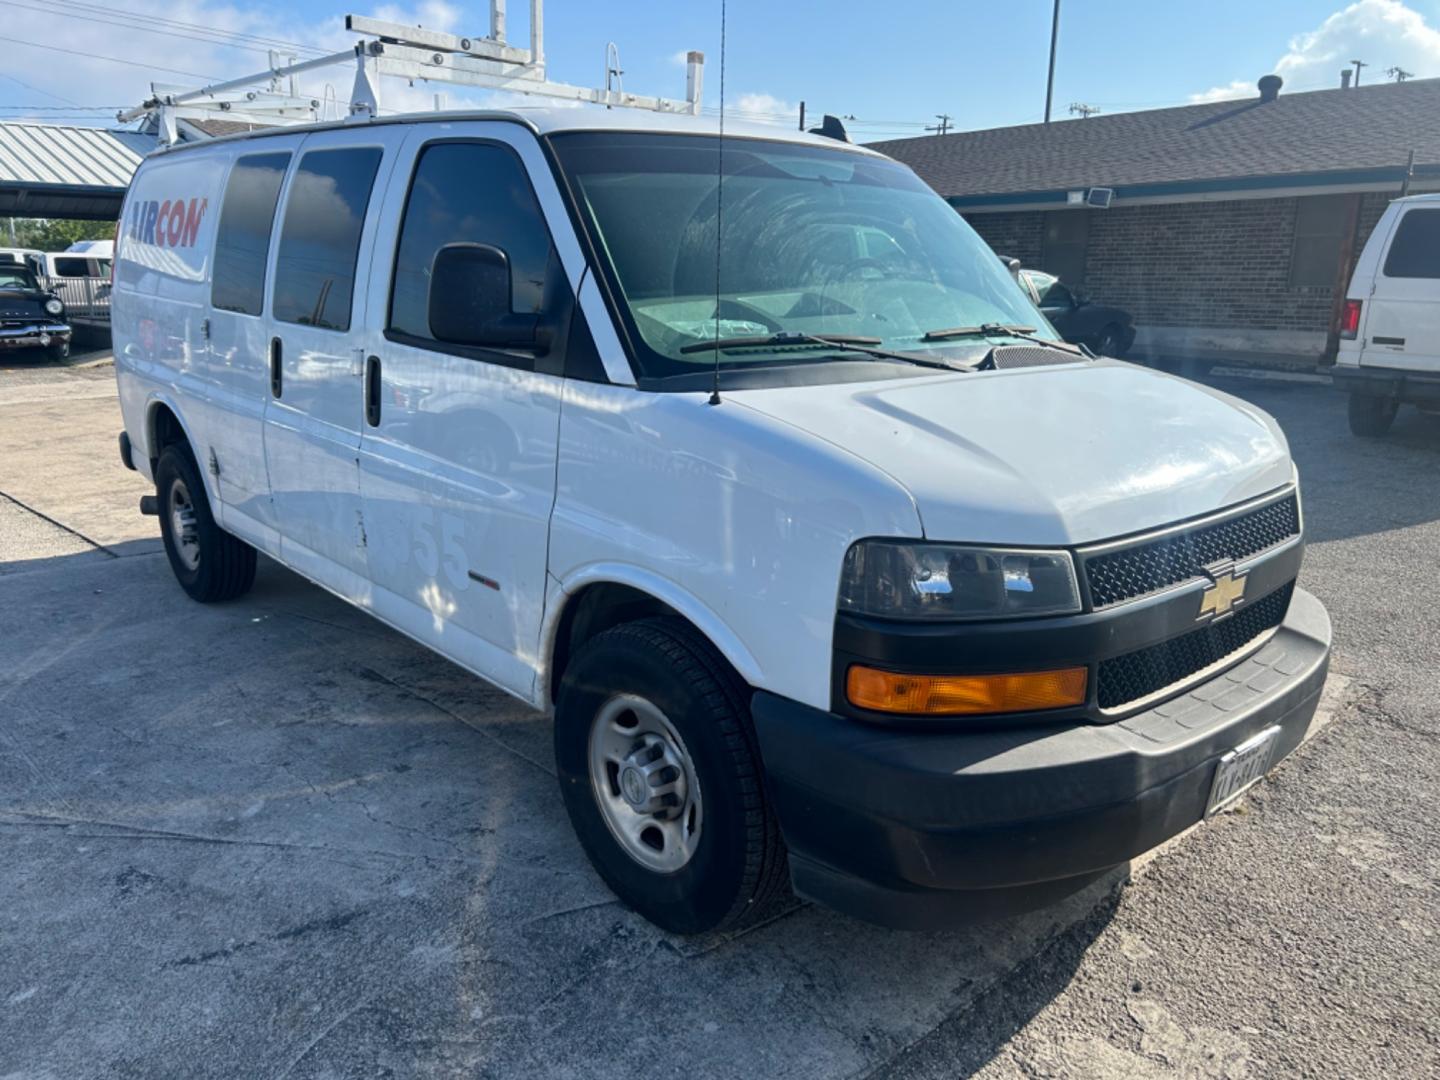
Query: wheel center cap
{"x":632,"y":786}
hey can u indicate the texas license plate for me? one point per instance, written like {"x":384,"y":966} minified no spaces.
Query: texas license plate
{"x":1240,"y":768}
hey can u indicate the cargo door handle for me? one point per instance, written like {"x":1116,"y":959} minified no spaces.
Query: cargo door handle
{"x":276,"y":383}
{"x":372,"y":391}
{"x":1378,"y":340}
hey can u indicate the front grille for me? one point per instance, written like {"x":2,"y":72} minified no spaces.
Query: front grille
{"x":1147,"y":671}
{"x":1151,"y":565}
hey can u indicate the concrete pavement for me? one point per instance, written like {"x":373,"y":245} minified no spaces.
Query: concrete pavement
{"x":274,"y":838}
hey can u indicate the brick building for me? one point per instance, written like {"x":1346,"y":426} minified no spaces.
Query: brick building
{"x":1229,"y":224}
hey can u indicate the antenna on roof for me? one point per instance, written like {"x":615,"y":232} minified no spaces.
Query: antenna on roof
{"x":943,"y":127}
{"x":719,"y":207}
{"x":1399,"y":74}
{"x":1080,"y":109}
{"x":1358,"y":65}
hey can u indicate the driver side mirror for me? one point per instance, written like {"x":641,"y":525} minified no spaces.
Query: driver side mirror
{"x":471,"y":296}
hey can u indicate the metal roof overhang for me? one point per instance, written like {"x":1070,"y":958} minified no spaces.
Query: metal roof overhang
{"x":1224,"y":188}
{"x":78,"y":201}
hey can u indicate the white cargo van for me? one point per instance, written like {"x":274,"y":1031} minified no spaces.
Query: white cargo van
{"x":1390,"y":326}
{"x":838,"y":570}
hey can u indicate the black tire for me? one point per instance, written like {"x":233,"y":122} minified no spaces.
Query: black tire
{"x":57,"y":350}
{"x":1110,"y":342}
{"x":738,"y":865}
{"x":210,"y":564}
{"x":1370,"y":416}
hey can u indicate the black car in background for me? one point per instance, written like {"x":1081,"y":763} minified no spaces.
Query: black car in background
{"x":30,"y":316}
{"x":1110,"y":331}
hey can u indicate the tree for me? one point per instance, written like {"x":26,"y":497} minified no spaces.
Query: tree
{"x":52,"y":234}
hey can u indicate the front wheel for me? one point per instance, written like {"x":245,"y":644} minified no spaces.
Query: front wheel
{"x":57,"y":350}
{"x":210,"y":564}
{"x":661,"y":777}
{"x":1371,"y":416}
{"x":1111,"y":342}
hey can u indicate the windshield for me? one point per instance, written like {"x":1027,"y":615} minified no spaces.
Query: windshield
{"x":16,"y":277}
{"x":815,"y":242}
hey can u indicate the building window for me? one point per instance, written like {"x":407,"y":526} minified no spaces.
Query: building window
{"x":1319,"y":227}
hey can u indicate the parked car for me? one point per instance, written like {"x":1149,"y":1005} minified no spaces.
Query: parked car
{"x":31,"y":316}
{"x":18,"y":256}
{"x":833,"y":566}
{"x":1109,"y":331}
{"x":1389,"y":351}
{"x":65,"y":264}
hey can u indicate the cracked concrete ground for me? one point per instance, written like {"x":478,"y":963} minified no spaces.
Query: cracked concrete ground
{"x":274,"y":838}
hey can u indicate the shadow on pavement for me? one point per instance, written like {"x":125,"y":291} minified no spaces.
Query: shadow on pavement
{"x":1352,"y":486}
{"x":273,"y":837}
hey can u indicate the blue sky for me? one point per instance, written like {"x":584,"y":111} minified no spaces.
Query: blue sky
{"x":891,"y":65}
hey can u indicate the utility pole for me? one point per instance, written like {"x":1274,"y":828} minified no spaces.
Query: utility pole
{"x":1358,"y":65}
{"x":802,"y":116}
{"x":1399,"y":74}
{"x":1080,"y":109}
{"x":942,"y":127}
{"x":1054,"y":37}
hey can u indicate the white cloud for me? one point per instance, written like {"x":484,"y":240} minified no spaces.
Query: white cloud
{"x":1383,"y":33}
{"x":763,"y":109}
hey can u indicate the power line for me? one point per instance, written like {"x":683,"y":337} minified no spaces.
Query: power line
{"x":218,"y":38}
{"x":237,"y":35}
{"x":113,"y":59}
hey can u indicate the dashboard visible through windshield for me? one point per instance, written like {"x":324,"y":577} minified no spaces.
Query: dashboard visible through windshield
{"x":814,"y":242}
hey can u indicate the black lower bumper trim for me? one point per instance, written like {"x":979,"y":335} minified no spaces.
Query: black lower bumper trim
{"x":1409,"y":387}
{"x":910,"y":828}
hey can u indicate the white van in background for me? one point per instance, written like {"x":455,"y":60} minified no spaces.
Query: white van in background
{"x":1390,"y":327}
{"x":832,"y":562}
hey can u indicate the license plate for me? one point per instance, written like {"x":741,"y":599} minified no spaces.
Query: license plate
{"x":1240,"y":768}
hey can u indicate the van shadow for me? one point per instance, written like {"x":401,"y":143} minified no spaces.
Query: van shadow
{"x":1351,"y":486}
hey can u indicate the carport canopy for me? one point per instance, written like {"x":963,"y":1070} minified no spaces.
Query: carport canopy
{"x":54,"y":171}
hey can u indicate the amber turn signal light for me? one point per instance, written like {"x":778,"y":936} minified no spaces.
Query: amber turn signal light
{"x":964,"y":695}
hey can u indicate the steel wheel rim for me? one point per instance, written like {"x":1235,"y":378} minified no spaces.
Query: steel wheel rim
{"x":644,"y":783}
{"x":183,"y":528}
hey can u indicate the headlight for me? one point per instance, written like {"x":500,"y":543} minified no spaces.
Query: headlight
{"x":900,"y":579}
{"x":53,"y":306}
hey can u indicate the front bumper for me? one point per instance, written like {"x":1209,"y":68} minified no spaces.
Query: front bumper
{"x":928,"y":828}
{"x":33,"y":335}
{"x":1408,"y":387}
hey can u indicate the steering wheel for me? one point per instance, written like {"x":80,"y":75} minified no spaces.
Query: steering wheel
{"x":730,"y":308}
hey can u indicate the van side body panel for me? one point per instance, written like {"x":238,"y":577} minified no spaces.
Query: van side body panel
{"x":160,"y":300}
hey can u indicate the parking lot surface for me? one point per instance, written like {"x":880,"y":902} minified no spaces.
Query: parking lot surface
{"x":274,"y":838}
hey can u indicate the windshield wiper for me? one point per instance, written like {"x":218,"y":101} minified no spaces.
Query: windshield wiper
{"x":783,"y":337}
{"x":844,"y":343}
{"x":988,"y":329}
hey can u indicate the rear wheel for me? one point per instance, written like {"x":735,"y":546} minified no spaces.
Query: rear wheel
{"x":210,"y":564}
{"x":1371,"y":416}
{"x":662,"y":780}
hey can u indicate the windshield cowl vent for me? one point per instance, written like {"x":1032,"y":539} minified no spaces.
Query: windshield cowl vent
{"x":1006,"y":357}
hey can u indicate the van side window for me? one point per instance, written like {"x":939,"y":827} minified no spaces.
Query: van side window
{"x":468,"y":193}
{"x":1415,"y":251}
{"x":71,"y":268}
{"x":242,"y":246}
{"x":320,"y":240}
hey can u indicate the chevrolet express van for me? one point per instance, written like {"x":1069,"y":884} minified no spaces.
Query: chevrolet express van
{"x":1390,"y":325}
{"x":834,"y":565}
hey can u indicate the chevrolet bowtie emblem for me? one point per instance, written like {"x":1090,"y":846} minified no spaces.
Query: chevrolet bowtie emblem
{"x":1225,"y":592}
